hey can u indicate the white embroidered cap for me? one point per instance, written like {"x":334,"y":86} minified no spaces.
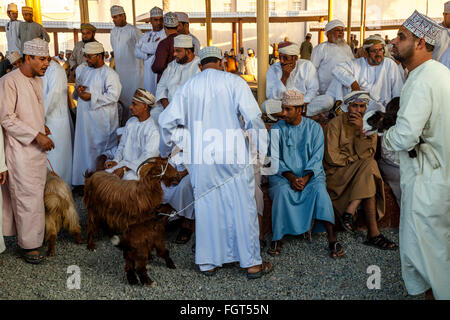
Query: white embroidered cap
{"x":13,"y":56}
{"x":183,"y":41}
{"x":156,"y":12}
{"x":211,"y":51}
{"x":93,"y":47}
{"x":170,"y":20}
{"x":292,"y":98}
{"x":447,"y":7}
{"x":182,"y":17}
{"x":423,"y":27}
{"x":270,"y":107}
{"x":115,"y":10}
{"x":36,"y":47}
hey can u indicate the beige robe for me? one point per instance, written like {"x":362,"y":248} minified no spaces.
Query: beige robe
{"x":352,"y":173}
{"x":2,"y":169}
{"x":22,"y":117}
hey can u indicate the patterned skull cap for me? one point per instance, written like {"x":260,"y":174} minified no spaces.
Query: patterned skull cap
{"x":208,"y":52}
{"x":423,"y":27}
{"x":170,"y":20}
{"x":115,"y":10}
{"x":156,"y":12}
{"x":292,"y":98}
{"x":36,"y":47}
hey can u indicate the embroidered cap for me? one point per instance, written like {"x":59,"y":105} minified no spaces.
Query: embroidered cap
{"x":423,"y":27}
{"x":182,"y":17}
{"x":13,"y":56}
{"x":36,"y":47}
{"x":93,"y":47}
{"x":156,"y":12}
{"x":12,"y":7}
{"x":208,"y":52}
{"x":170,"y":20}
{"x":292,"y":98}
{"x":26,"y":9}
{"x":183,"y":41}
{"x":115,"y":10}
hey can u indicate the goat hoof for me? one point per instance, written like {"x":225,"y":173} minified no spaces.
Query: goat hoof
{"x":91,"y":247}
{"x":170,"y":264}
{"x":50,"y":253}
{"x":132,"y":280}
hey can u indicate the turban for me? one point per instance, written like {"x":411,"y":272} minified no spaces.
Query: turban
{"x":93,"y":47}
{"x":423,"y":27}
{"x":355,"y":96}
{"x":88,"y":26}
{"x":13,"y":56}
{"x":183,"y":41}
{"x":36,"y":47}
{"x":308,"y":35}
{"x":270,"y":107}
{"x":182,"y":17}
{"x":319,"y":104}
{"x":289,"y":48}
{"x":27,"y":10}
{"x":333,"y":24}
{"x":292,"y":98}
{"x":12,"y":7}
{"x":156,"y":12}
{"x":208,"y":52}
{"x":447,"y":7}
{"x":170,"y":20}
{"x":115,"y":10}
{"x":374,"y":39}
{"x":144,"y":96}
{"x":68,"y":51}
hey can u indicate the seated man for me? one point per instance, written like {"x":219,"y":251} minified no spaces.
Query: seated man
{"x":352,"y":173}
{"x":291,"y":73}
{"x":139,"y":142}
{"x":298,"y":189}
{"x":374,"y":73}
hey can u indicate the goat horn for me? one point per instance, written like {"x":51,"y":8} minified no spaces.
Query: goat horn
{"x":152,"y":159}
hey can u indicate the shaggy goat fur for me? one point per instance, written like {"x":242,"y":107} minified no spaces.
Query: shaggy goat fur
{"x":60,"y":211}
{"x":137,"y":243}
{"x":121,"y":203}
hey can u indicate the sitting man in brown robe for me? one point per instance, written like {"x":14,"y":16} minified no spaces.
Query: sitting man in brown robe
{"x":353,"y":177}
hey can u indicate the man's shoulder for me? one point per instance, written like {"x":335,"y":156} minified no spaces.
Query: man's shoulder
{"x":10,"y":76}
{"x":335,"y":123}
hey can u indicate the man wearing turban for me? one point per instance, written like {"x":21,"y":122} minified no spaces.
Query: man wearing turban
{"x":291,"y":73}
{"x":77,"y":56}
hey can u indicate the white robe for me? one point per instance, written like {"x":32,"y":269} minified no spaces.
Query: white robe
{"x":226,"y":217}
{"x":425,"y":180}
{"x":445,"y":59}
{"x":97,"y":119}
{"x":442,"y":43}
{"x":2,"y":169}
{"x":139,"y":142}
{"x":145,"y":49}
{"x":251,"y":66}
{"x":129,"y":68}
{"x":174,"y":76}
{"x":57,"y":119}
{"x":12,"y":35}
{"x":325,"y":57}
{"x":383,"y":81}
{"x":303,"y":78}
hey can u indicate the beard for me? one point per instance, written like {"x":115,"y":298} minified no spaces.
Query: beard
{"x":373,"y":62}
{"x":183,"y":60}
{"x":90,"y":40}
{"x":403,"y":57}
{"x":341,"y":43}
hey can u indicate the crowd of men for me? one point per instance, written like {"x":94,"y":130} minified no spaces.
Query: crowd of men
{"x":167,"y":97}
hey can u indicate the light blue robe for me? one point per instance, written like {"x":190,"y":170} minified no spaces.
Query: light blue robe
{"x":299,"y":149}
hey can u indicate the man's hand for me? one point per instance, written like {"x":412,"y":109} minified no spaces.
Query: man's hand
{"x":81,"y":91}
{"x":355,"y":86}
{"x":164,"y":102}
{"x":286,"y":71}
{"x":303,"y":181}
{"x":110,"y":164}
{"x":44,"y":142}
{"x":120,"y":171}
{"x":3,"y":176}
{"x":356,"y":119}
{"x":47,"y":131}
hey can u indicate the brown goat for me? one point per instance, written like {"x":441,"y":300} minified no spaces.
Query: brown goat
{"x":60,"y":211}
{"x":121,"y":203}
{"x":137,"y":243}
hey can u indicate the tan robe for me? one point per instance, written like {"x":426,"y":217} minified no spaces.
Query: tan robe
{"x":2,"y":169}
{"x":22,"y":117}
{"x":352,"y":173}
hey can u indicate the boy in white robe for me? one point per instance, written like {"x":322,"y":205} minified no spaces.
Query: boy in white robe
{"x":12,"y":28}
{"x":130,"y":69}
{"x":97,"y":93}
{"x":424,"y":116}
